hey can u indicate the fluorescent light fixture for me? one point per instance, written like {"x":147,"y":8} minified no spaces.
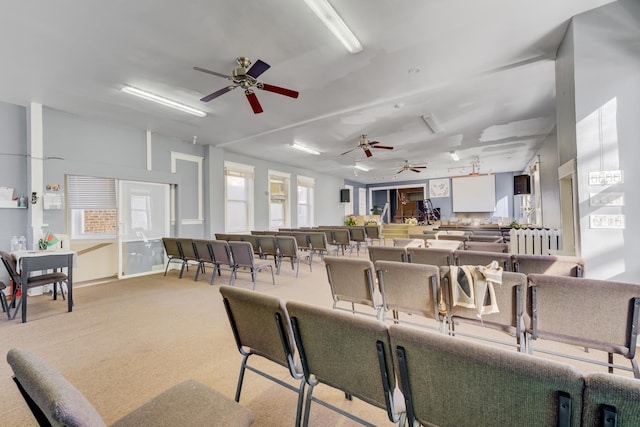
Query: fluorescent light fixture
{"x":454,"y":156}
{"x":362,"y":168}
{"x":335,"y":24}
{"x":433,"y":124}
{"x":161,"y":100}
{"x":305,"y":149}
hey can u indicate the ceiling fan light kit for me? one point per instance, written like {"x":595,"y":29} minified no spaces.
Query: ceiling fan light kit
{"x":246,"y":76}
{"x":330,"y":18}
{"x":409,"y":167}
{"x":366,"y":145}
{"x":162,"y":100}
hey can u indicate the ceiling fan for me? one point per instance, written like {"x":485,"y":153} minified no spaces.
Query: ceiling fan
{"x":366,"y":145}
{"x":246,"y":78}
{"x":408,"y":167}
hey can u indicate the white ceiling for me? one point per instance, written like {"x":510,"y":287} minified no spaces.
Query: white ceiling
{"x":485,"y":71}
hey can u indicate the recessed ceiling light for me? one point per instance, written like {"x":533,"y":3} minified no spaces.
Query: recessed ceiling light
{"x":162,"y":100}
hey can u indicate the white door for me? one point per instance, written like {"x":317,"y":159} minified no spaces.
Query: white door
{"x":143,"y":215}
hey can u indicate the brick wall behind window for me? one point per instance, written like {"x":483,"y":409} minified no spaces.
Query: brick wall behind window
{"x":100,"y":221}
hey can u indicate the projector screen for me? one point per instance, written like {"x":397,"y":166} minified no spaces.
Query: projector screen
{"x":474,"y":193}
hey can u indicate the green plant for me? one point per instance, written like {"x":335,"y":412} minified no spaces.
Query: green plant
{"x":375,"y":210}
{"x":350,"y":220}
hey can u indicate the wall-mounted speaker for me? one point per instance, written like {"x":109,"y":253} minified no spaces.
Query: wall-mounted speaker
{"x":521,"y":184}
{"x":344,"y":196}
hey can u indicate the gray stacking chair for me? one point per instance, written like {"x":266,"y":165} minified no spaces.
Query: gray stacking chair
{"x":359,"y":236}
{"x":486,"y":246}
{"x":188,"y":254}
{"x":373,"y":233}
{"x":342,"y":240}
{"x":391,"y":253}
{"x":556,"y":265}
{"x":610,"y":401}
{"x":353,"y":281}
{"x":203,"y":251}
{"x":319,"y":245}
{"x":174,"y":253}
{"x":463,"y":257}
{"x":55,"y":401}
{"x":288,"y":248}
{"x":222,"y":256}
{"x":269,"y":247}
{"x":253,"y":239}
{"x":244,"y":262}
{"x":410,"y":288}
{"x":511,"y":299}
{"x":447,"y":381}
{"x":589,"y":313}
{"x":349,"y":353}
{"x":430,"y":256}
{"x":261,"y":327}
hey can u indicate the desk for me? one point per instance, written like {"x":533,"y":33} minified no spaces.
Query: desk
{"x":28,"y":261}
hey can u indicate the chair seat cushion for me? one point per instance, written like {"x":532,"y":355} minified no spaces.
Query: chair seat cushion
{"x":189,"y":404}
{"x":45,"y":279}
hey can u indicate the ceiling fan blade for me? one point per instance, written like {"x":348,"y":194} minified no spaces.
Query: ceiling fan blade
{"x":367,"y":152}
{"x":278,"y":90}
{"x":419,"y":167}
{"x":253,"y":101}
{"x":217,"y":93}
{"x":204,"y":70}
{"x":400,"y":171}
{"x":258,"y":68}
{"x":349,"y":151}
{"x":373,"y":142}
{"x":415,"y":170}
{"x":386,"y":147}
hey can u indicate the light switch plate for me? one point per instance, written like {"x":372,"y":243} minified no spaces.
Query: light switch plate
{"x":606,"y":221}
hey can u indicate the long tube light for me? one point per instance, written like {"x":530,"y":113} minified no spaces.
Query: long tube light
{"x":335,"y":24}
{"x":162,"y":100}
{"x":454,"y":156}
{"x":362,"y":168}
{"x":305,"y":149}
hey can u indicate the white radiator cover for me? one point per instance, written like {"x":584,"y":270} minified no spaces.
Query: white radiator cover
{"x":534,"y":241}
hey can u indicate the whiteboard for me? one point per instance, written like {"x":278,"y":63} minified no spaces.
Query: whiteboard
{"x":474,"y":193}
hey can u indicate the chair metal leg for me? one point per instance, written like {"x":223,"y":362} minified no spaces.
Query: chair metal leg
{"x":241,"y":377}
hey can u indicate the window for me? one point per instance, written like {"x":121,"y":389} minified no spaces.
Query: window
{"x":305,"y":201}
{"x":279,"y":211}
{"x":92,"y":207}
{"x":238,"y":197}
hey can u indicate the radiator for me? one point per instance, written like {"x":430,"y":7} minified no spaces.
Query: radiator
{"x":534,"y":241}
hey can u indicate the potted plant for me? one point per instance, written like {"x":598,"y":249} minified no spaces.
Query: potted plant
{"x":375,"y":210}
{"x":350,"y":220}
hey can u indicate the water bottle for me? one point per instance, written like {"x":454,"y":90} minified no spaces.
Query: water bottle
{"x":14,"y":244}
{"x":23,"y":243}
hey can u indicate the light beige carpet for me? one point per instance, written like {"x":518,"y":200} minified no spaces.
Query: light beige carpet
{"x":126,"y":341}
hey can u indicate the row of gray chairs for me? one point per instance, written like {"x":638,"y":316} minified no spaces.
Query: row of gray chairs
{"x":235,"y":256}
{"x":408,"y":372}
{"x":535,"y":306}
{"x":558,"y":265}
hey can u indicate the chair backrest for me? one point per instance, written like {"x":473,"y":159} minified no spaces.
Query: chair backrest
{"x":458,"y":237}
{"x":253,"y":239}
{"x":556,"y":265}
{"x":485,"y":238}
{"x":510,"y":297}
{"x":463,"y":257}
{"x":10,"y":265}
{"x":302,"y":239}
{"x":202,"y":249}
{"x":430,"y":256}
{"x":342,"y":236}
{"x":610,"y":400}
{"x":410,"y":288}
{"x":344,"y":351}
{"x":598,"y":314}
{"x":221,"y":252}
{"x":54,"y":397}
{"x":352,"y":280}
{"x":388,"y":253}
{"x":242,"y":254}
{"x":358,"y":234}
{"x":172,"y":247}
{"x":318,"y":241}
{"x":288,"y":246}
{"x":453,"y":382}
{"x":328,"y":232}
{"x":222,"y":236}
{"x":188,"y":252}
{"x":486,"y":246}
{"x":260,"y":325}
{"x":268,"y":245}
{"x":372,"y":231}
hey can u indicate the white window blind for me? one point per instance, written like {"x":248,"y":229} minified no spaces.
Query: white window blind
{"x":238,"y":197}
{"x":88,"y":192}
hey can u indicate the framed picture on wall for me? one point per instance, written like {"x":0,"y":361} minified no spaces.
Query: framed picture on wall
{"x":439,"y":188}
